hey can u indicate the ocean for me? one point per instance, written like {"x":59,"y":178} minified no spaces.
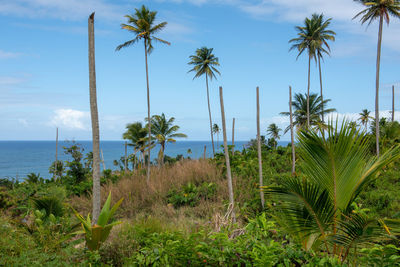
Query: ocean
{"x":19,"y":158}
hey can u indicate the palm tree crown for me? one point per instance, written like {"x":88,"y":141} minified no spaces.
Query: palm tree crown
{"x":136,"y":134}
{"x":204,"y":62}
{"x":375,"y":9}
{"x":273,"y":131}
{"x":365,"y":117}
{"x":141,"y":24}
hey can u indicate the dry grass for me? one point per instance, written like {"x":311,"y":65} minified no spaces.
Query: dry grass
{"x":143,"y":199}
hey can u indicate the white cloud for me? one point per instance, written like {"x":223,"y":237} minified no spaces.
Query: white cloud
{"x":10,"y":80}
{"x":24,"y":122}
{"x":7,"y":55}
{"x":71,"y":119}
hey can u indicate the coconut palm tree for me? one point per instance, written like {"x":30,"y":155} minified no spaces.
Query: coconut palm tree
{"x":205,"y":62}
{"x":307,"y":40}
{"x":136,"y":135}
{"x":317,"y":210}
{"x":316,"y":108}
{"x":216,"y":130}
{"x":273,"y":131}
{"x":164,"y":132}
{"x":382,"y":10}
{"x":365,"y":117}
{"x":324,"y":35}
{"x":142,"y":25}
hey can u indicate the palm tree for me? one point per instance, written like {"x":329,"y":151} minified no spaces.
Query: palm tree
{"x":273,"y":131}
{"x":307,"y":40}
{"x":216,"y":130}
{"x":136,"y":134}
{"x":365,"y":117}
{"x":382,"y":10}
{"x":164,"y":132}
{"x":317,"y":210}
{"x":95,"y":122}
{"x":205,"y":62}
{"x":316,"y":109}
{"x":324,"y":36}
{"x":141,"y":24}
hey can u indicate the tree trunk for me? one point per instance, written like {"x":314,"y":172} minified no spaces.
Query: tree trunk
{"x":378,"y":61}
{"x":392,"y":103}
{"x":259,"y":149}
{"x":320,"y":83}
{"x":228,"y":166}
{"x":233,"y":137}
{"x":56,"y":162}
{"x":148,"y":110}
{"x":204,"y":155}
{"x":95,"y":123}
{"x":102,"y":160}
{"x":126,"y":155}
{"x":209,"y":114}
{"x":292,"y":132}
{"x":308,"y":93}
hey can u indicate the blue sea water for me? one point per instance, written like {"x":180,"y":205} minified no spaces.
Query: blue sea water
{"x":19,"y":158}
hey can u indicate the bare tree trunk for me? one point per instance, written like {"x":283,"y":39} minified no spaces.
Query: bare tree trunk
{"x":126,"y":155}
{"x":228,"y":165}
{"x":292,"y":132}
{"x":259,"y":149}
{"x":148,"y":110}
{"x":102,"y":160}
{"x":233,"y":136}
{"x":95,"y":122}
{"x":56,"y":162}
{"x":209,"y":114}
{"x":392,"y":103}
{"x":204,"y":155}
{"x":378,"y":61}
{"x":308,"y":93}
{"x":320,"y":83}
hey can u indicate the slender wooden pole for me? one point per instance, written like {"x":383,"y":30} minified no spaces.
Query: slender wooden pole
{"x":126,"y":155}
{"x":102,"y":160}
{"x":291,"y":132}
{"x":392,"y":103}
{"x":233,"y":136}
{"x":259,"y":148}
{"x":95,"y":122}
{"x":228,"y":165}
{"x":56,"y":162}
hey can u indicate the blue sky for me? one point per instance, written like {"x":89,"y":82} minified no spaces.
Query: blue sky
{"x":44,"y":68}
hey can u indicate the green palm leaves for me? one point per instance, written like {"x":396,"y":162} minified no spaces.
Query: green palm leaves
{"x":142,"y":25}
{"x":336,"y":168}
{"x":204,"y":62}
{"x":375,"y":9}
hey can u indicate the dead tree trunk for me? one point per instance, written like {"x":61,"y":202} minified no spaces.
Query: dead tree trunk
{"x":259,"y":149}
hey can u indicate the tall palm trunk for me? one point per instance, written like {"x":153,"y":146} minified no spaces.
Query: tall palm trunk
{"x":308,"y":92}
{"x":209,"y":114}
{"x":126,"y":155}
{"x":392,"y":103}
{"x":292,"y":132}
{"x":259,"y":148}
{"x":148,"y":110}
{"x":320,"y":83}
{"x":56,"y":162}
{"x":378,"y":61}
{"x":95,"y":122}
{"x":233,"y":136}
{"x":228,"y":165}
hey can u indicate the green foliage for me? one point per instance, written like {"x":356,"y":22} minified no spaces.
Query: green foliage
{"x":51,"y":205}
{"x":190,"y":194}
{"x":96,"y":234}
{"x":34,"y":178}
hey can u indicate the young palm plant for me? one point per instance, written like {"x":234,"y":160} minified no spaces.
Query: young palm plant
{"x":136,"y":134}
{"x":164,"y":132}
{"x":382,"y":10}
{"x":365,"y":117}
{"x":205,"y":62}
{"x":274,"y":132}
{"x":142,"y":25}
{"x":317,"y":210}
{"x":216,"y":130}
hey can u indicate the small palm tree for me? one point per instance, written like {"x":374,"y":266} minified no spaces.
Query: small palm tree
{"x":318,"y":210}
{"x":382,"y":10}
{"x":136,"y":134}
{"x":274,"y":132}
{"x":216,"y":130}
{"x":164,"y":132}
{"x":316,"y":108}
{"x":307,"y":40}
{"x":142,"y":25}
{"x":205,"y":62}
{"x":365,"y":117}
